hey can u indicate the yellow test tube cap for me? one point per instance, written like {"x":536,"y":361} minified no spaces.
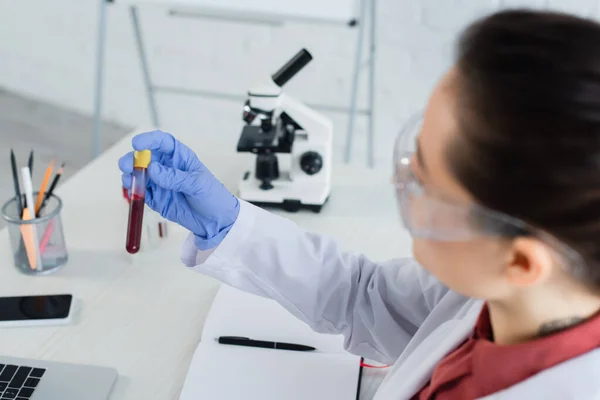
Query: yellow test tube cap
{"x":141,"y":159}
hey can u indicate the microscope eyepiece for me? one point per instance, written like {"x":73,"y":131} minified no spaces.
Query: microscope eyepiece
{"x":292,"y":67}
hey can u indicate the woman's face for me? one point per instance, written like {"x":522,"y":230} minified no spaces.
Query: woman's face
{"x":474,"y":268}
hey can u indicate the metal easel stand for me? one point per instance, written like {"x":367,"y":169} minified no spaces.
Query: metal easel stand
{"x":144,"y":61}
{"x":100,"y":46}
{"x":152,"y":89}
{"x":358,"y":65}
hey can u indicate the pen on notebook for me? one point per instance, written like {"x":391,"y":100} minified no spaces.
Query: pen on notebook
{"x":40,"y":197}
{"x":13,"y":165}
{"x":28,"y":230}
{"x":52,"y":187}
{"x":242,"y":341}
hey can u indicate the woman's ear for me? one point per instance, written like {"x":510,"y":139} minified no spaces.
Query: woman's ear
{"x":531,"y":262}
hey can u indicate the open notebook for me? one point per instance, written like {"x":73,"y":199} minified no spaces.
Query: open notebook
{"x":228,"y":372}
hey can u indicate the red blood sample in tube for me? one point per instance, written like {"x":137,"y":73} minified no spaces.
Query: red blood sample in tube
{"x":134,"y":228}
{"x":136,"y":206}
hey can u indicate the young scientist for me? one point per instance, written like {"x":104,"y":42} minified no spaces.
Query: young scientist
{"x":502,"y":197}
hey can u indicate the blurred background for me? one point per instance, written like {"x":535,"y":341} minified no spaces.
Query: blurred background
{"x":48,"y":53}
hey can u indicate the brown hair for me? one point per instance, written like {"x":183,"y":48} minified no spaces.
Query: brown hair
{"x":529,"y":120}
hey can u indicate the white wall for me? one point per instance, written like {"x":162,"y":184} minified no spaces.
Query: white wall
{"x":47,"y":50}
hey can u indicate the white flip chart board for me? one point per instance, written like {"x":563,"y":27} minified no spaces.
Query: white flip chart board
{"x":342,"y":11}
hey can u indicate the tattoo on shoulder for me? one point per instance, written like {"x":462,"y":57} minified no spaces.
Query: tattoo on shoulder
{"x":559,"y":325}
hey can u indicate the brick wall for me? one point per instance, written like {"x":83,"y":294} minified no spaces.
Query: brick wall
{"x":47,"y":50}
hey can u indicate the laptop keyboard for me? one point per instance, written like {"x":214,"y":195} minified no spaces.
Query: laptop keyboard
{"x":18,"y":382}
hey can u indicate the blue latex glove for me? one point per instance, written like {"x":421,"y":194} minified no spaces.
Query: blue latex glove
{"x":182,"y":189}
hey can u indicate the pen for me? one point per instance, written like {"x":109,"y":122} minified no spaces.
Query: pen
{"x":242,"y":341}
{"x":13,"y":164}
{"x":30,"y":162}
{"x":30,"y":166}
{"x":28,"y":230}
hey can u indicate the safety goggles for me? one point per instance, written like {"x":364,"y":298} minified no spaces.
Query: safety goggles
{"x":429,"y":214}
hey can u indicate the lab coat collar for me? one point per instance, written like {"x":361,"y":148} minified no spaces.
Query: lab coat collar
{"x":577,"y":378}
{"x":429,"y":345}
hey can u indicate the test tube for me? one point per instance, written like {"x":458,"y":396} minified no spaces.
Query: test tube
{"x":141,"y":160}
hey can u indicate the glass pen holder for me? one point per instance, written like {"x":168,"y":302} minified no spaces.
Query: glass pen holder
{"x":38,"y":245}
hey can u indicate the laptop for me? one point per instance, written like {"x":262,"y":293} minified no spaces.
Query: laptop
{"x":23,"y":379}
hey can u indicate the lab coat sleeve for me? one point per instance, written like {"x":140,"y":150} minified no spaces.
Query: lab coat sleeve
{"x":376,"y":306}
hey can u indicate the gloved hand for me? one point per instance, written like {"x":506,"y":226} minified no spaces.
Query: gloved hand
{"x":182,"y":189}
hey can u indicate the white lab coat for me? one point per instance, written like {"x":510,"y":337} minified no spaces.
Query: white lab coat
{"x":393,"y":312}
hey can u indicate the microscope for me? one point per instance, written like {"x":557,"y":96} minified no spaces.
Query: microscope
{"x":292,"y":143}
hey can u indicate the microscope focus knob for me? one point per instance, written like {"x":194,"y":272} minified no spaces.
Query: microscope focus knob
{"x":311,"y":162}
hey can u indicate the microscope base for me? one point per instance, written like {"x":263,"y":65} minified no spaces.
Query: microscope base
{"x":284,"y":195}
{"x":290,"y":205}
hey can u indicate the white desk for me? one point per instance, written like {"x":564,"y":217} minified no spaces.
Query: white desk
{"x":143,"y":315}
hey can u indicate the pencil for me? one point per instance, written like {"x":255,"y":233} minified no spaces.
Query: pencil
{"x":52,"y":187}
{"x":40,"y":197}
{"x":13,"y":164}
{"x":46,"y":236}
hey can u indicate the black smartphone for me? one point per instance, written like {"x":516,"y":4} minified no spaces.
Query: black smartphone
{"x":35,"y":310}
